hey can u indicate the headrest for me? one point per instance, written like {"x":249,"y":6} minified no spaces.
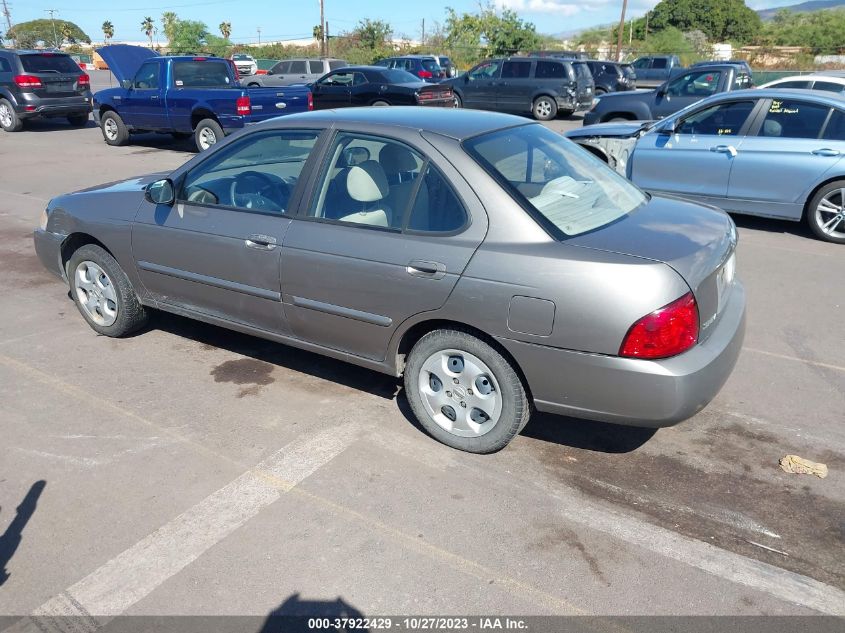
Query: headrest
{"x":395,"y":158}
{"x":772,"y":128}
{"x":367,"y":182}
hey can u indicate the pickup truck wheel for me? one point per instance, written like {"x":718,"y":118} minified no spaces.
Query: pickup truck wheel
{"x":113,"y":128}
{"x":617,"y":119}
{"x":9,"y":119}
{"x":78,"y":120}
{"x":253,"y":85}
{"x":207,"y":133}
{"x":544,"y":108}
{"x":464,"y":392}
{"x":826,"y":213}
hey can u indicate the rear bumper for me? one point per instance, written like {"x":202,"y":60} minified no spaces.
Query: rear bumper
{"x":33,"y":106}
{"x":630,"y":391}
{"x":48,"y":247}
{"x":566,"y":102}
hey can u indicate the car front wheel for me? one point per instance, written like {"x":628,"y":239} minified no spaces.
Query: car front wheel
{"x":464,"y":392}
{"x":456,"y":99}
{"x":114,"y":130}
{"x":103,"y":292}
{"x":826,"y":213}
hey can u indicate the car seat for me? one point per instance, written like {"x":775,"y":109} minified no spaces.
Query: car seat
{"x":367,"y":185}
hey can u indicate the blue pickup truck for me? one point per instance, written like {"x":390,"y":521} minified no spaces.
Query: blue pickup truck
{"x":184,"y":96}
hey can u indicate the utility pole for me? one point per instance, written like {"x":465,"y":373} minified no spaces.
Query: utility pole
{"x":646,"y":26}
{"x":621,"y":31}
{"x":423,"y":32}
{"x":631,"y":35}
{"x":259,"y":35}
{"x":53,"y":21}
{"x":323,"y":39}
{"x":328,"y":52}
{"x":9,"y":22}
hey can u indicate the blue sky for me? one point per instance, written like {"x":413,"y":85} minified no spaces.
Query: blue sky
{"x":286,"y":19}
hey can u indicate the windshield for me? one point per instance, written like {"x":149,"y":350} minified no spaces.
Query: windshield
{"x":242,"y":58}
{"x":572,"y":191}
{"x":394,"y":76}
{"x":49,"y":63}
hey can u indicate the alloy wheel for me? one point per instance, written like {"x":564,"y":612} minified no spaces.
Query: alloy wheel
{"x":5,"y":115}
{"x":207,"y":138}
{"x":830,"y":214}
{"x":110,"y":129}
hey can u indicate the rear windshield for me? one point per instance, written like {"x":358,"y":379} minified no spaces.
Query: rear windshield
{"x":581,"y":70}
{"x":339,"y":63}
{"x":396,"y":76}
{"x":430,"y":65}
{"x":570,"y":191}
{"x":49,"y":64}
{"x":204,"y":74}
{"x":628,"y":70}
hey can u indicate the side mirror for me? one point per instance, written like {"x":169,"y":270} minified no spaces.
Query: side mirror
{"x":160,"y":192}
{"x":661,"y":91}
{"x":466,"y":77}
{"x":126,"y":84}
{"x":269,"y":72}
{"x":669,"y":128}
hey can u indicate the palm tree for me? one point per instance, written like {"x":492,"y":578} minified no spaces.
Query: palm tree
{"x":168,"y":22}
{"x":67,"y":34}
{"x":108,"y":30}
{"x":148,"y":27}
{"x":225,"y":29}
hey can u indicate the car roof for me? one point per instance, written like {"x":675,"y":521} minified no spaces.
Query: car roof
{"x":832,"y":99}
{"x":458,"y":124}
{"x":837,"y":79}
{"x":30,"y":51}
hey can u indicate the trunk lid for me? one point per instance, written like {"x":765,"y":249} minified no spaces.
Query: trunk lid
{"x":699,"y":247}
{"x":267,"y":103}
{"x":124,"y":60}
{"x":58,"y":73}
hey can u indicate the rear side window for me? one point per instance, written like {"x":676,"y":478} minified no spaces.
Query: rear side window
{"x":201,"y":74}
{"x":835,"y":130}
{"x":315,"y":68}
{"x":49,"y":63}
{"x":581,"y":71}
{"x":790,"y":118}
{"x":334,"y":65}
{"x":516,"y":70}
{"x":658,"y":63}
{"x":828,"y":86}
{"x":5,"y":66}
{"x":550,"y":70}
{"x":436,"y":207}
{"x":298,"y":67}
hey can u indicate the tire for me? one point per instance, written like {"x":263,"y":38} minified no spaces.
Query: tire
{"x":253,"y":85}
{"x":600,"y":91}
{"x":207,"y":133}
{"x":508,"y":406}
{"x":113,"y":129}
{"x":826,"y":213}
{"x":380,"y":103}
{"x":9,"y":119}
{"x":106,"y":301}
{"x":544,"y":108}
{"x":78,"y":120}
{"x":616,"y":119}
{"x":456,"y":98}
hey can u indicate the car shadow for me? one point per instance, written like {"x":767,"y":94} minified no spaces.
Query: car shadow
{"x":11,"y":538}
{"x":599,"y":437}
{"x":293,"y":615}
{"x":770,"y":225}
{"x":55,"y":124}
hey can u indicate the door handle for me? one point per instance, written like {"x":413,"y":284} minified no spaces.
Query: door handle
{"x":724,"y":149}
{"x":261,"y":242}
{"x":153,"y":97}
{"x":826,"y":152}
{"x":422,"y":268}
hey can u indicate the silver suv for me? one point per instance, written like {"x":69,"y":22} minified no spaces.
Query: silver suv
{"x":294,"y":71}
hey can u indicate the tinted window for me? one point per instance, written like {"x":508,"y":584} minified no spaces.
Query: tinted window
{"x":695,"y":84}
{"x":658,"y":63}
{"x":338,"y":63}
{"x":258,"y":173}
{"x":315,"y":68}
{"x":792,"y":84}
{"x":582,"y":71}
{"x":207,"y":74}
{"x":431,"y":66}
{"x":516,"y":70}
{"x":338,"y":79}
{"x":298,"y":67}
{"x":5,"y":66}
{"x":49,"y":63}
{"x":436,"y":207}
{"x":147,"y":77}
{"x":725,"y":119}
{"x":835,"y":130}
{"x":280,"y":68}
{"x":486,"y":70}
{"x":628,"y":70}
{"x":642,"y":63}
{"x":790,"y":118}
{"x":573,"y":192}
{"x":828,"y":86}
{"x":550,"y":70}
{"x":394,"y":76}
{"x":382,"y":62}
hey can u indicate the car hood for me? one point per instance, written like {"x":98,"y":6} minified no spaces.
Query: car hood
{"x":692,"y":238}
{"x":125,"y":60}
{"x":139,"y":183}
{"x":626,"y":128}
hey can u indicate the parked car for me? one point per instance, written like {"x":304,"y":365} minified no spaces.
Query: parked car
{"x":771,"y":152}
{"x":611,"y":77}
{"x":426,"y":67}
{"x":815,"y":81}
{"x":377,"y":86}
{"x":653,"y":70}
{"x":737,"y":62}
{"x":447,"y":65}
{"x":586,"y":85}
{"x":542,"y":87}
{"x":295,"y":71}
{"x":245,"y":64}
{"x":41,"y":84}
{"x":487,"y":259}
{"x":183,"y":96}
{"x":677,"y":93}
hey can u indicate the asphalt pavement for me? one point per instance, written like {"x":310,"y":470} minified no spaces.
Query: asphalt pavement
{"x":191,"y":470}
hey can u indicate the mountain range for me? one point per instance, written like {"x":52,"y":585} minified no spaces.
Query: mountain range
{"x":803,"y":7}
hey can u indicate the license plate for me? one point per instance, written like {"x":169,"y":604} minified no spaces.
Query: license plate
{"x":59,"y":86}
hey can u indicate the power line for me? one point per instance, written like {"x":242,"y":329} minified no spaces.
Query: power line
{"x":8,"y":15}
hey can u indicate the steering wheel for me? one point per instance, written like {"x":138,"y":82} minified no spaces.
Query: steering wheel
{"x":257,"y":190}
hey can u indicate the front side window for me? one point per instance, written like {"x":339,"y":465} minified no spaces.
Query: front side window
{"x":281,"y":68}
{"x":695,"y":84}
{"x":790,"y":118}
{"x":147,"y":77}
{"x":487,"y":70}
{"x":298,"y":67}
{"x":339,"y":79}
{"x":201,"y":74}
{"x":642,"y":63}
{"x":724,"y":119}
{"x":569,"y":191}
{"x":516,"y":70}
{"x":258,"y":173}
{"x":659,"y":63}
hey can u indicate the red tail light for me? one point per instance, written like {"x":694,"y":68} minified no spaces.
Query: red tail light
{"x":310,"y":101}
{"x":27,"y":81}
{"x":84,"y":81}
{"x":425,"y":96}
{"x":666,"y":332}
{"x":424,"y":74}
{"x":243,"y":105}
{"x":200,"y":59}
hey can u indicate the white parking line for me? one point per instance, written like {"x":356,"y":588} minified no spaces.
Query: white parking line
{"x":795,"y":359}
{"x":135,"y":573}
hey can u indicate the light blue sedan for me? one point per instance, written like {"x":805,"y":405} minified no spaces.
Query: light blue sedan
{"x":772,"y":152}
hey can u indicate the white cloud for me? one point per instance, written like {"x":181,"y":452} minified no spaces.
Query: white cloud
{"x":558,"y":7}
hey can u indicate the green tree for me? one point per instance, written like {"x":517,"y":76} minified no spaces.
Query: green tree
{"x":108,"y":30}
{"x":189,"y":36}
{"x":820,"y":31}
{"x":225,"y":29}
{"x":41,"y":32}
{"x":720,"y":20}
{"x":67,"y":34}
{"x":148,"y":27}
{"x":169,"y":20}
{"x":471,"y":35}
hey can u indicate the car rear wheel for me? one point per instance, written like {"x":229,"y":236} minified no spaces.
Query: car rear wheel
{"x":78,"y":120}
{"x":253,"y":84}
{"x":544,"y":108}
{"x":113,"y":128}
{"x":102,"y":292}
{"x":9,"y":119}
{"x":207,"y":133}
{"x":380,"y":103}
{"x":826,"y":213}
{"x":464,"y":392}
{"x":456,"y":99}
{"x":600,"y":91}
